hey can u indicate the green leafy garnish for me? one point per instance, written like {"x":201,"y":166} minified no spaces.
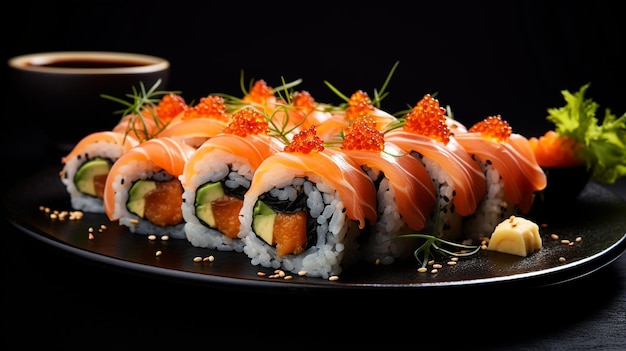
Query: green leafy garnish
{"x":604,"y":144}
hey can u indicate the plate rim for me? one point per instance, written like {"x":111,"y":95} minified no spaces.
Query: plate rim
{"x":545,"y":277}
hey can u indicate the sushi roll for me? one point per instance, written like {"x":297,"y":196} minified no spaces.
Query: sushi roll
{"x":512,"y":174}
{"x":305,"y":208}
{"x":143,"y":191}
{"x":86,"y":166}
{"x":329,"y":125}
{"x":405,"y":195}
{"x":148,"y":120}
{"x":197,"y":124}
{"x":458,"y":179}
{"x":215,"y":180}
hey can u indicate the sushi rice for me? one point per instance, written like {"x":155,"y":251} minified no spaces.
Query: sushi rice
{"x":492,"y":209}
{"x":444,"y":221}
{"x":335,"y":246}
{"x":81,"y":201}
{"x":123,"y":181}
{"x":219,"y":166}
{"x":379,"y":243}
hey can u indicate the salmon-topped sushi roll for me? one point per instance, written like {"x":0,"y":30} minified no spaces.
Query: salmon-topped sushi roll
{"x":405,"y":194}
{"x":305,"y":208}
{"x":458,"y":179}
{"x":87,"y":165}
{"x":512,"y":174}
{"x":143,"y":191}
{"x":196,"y":124}
{"x":218,"y":175}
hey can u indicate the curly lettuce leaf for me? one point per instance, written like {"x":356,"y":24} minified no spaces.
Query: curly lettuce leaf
{"x":604,"y":148}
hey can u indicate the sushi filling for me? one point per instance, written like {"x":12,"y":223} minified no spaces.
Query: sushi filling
{"x":331,"y":244}
{"x":281,"y":218}
{"x":217,"y":204}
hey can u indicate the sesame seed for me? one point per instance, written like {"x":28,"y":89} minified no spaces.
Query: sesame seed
{"x":554,"y":237}
{"x":158,"y":253}
{"x":208,"y":259}
{"x":151,"y":237}
{"x":302,"y":273}
{"x":579,"y":239}
{"x":451,"y":263}
{"x":434,"y":271}
{"x":90,"y":229}
{"x":561,"y":259}
{"x":333,"y":278}
{"x":454,"y":259}
{"x":197,"y":259}
{"x":261,"y":274}
{"x":437,"y":266}
{"x":422,"y":269}
{"x":165,"y":237}
{"x":134,"y":221}
{"x":288,"y":277}
{"x":565,"y":242}
{"x":377,"y":261}
{"x":91,"y":237}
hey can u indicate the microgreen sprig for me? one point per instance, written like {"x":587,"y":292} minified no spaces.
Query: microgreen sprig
{"x":434,"y":245}
{"x":378,"y":95}
{"x":142,"y":101}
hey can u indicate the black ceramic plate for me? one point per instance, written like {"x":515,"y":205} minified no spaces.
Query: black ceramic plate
{"x":597,"y":216}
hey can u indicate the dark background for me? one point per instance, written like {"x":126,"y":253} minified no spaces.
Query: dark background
{"x":481,"y":57}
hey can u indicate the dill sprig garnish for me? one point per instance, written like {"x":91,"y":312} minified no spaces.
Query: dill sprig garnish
{"x":142,"y":105}
{"x":435,"y":246}
{"x":378,"y":95}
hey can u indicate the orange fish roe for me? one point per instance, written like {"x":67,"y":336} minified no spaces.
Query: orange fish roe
{"x":211,"y":106}
{"x":259,"y":93}
{"x":359,"y":105}
{"x":247,"y":122}
{"x":494,"y":128}
{"x":363,"y":135}
{"x":429,"y":119}
{"x":303,"y":100}
{"x":170,"y":106}
{"x":305,"y":141}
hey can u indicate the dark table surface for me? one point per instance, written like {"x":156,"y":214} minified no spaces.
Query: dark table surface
{"x":52,"y":298}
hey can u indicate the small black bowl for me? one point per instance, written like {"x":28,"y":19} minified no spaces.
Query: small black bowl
{"x":59,"y":92}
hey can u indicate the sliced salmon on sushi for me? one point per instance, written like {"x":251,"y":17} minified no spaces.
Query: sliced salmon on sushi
{"x":305,"y":208}
{"x":405,"y":193}
{"x":216,"y":178}
{"x":148,"y":120}
{"x":143,"y":191}
{"x":511,"y":171}
{"x":359,"y":104}
{"x":196,"y":124}
{"x":459,"y":180}
{"x":87,"y":165}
